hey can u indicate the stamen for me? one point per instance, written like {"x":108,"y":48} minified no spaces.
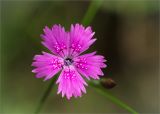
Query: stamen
{"x":68,"y":61}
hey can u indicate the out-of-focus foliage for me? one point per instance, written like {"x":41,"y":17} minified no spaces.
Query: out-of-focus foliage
{"x":127,"y":33}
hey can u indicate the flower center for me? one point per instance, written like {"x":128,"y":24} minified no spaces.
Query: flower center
{"x":68,"y":61}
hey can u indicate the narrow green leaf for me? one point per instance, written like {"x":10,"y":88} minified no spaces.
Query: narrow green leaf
{"x":91,"y":12}
{"x":103,"y":91}
{"x":45,"y":95}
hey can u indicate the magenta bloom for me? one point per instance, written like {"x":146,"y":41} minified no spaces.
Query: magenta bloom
{"x":66,"y":48}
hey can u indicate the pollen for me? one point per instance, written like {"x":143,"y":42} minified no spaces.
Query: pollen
{"x":59,"y":47}
{"x":56,"y":63}
{"x":69,"y":75}
{"x":76,"y":47}
{"x":82,"y":63}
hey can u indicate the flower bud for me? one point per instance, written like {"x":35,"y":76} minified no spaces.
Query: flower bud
{"x":108,"y":83}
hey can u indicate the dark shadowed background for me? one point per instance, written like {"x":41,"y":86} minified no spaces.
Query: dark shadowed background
{"x":127,"y":33}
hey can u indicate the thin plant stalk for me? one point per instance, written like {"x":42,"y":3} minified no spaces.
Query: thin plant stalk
{"x":86,"y":20}
{"x":90,"y":14}
{"x":103,"y":91}
{"x":45,"y":95}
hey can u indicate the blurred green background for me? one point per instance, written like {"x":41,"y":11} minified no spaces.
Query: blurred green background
{"x":127,"y":33}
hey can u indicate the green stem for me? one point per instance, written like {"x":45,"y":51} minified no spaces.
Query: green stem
{"x":101,"y":90}
{"x":45,"y":95}
{"x":93,"y":8}
{"x":91,"y":12}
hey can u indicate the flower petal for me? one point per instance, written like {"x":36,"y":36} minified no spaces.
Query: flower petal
{"x":90,"y":65}
{"x":71,"y":83}
{"x":80,"y":39}
{"x":56,"y":40}
{"x":47,"y":65}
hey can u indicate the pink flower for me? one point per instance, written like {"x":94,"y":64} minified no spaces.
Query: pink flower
{"x":66,"y":48}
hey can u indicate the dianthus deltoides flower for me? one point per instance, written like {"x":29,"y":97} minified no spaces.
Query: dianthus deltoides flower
{"x":66,"y":48}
